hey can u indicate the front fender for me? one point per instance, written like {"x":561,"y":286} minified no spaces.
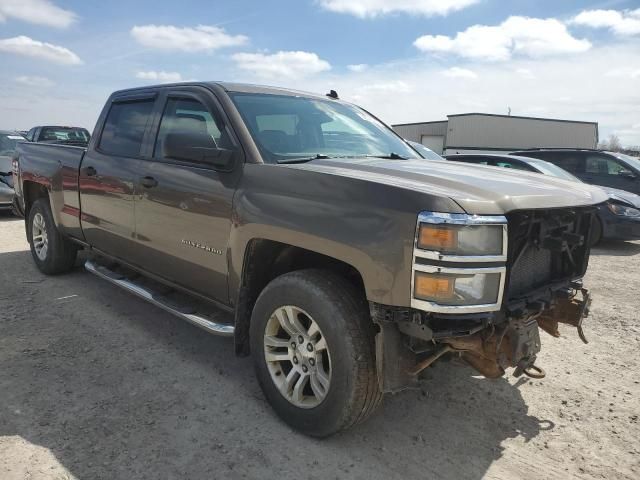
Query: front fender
{"x":368,"y":225}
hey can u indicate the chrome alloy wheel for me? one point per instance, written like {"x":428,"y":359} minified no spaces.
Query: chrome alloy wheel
{"x":297,"y":357}
{"x":39,"y":236}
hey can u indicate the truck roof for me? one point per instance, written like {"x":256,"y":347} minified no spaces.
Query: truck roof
{"x":232,"y":87}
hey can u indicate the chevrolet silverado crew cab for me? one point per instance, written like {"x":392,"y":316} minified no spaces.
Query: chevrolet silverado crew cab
{"x":345,"y":263}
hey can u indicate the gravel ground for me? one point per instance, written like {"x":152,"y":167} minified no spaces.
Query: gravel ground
{"x":96,"y":384}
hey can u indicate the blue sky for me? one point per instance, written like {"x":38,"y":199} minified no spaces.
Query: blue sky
{"x":406,"y":60}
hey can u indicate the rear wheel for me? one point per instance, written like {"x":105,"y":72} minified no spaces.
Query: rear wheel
{"x":51,"y":251}
{"x":312,"y":342}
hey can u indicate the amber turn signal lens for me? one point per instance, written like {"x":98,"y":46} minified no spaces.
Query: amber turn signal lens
{"x":435,"y":237}
{"x":433,"y":287}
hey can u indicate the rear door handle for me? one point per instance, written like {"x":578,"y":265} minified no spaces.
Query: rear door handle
{"x":90,"y":172}
{"x":148,"y":182}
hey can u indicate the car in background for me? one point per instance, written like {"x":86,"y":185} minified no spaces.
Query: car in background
{"x":8,"y":142}
{"x":618,"y":219}
{"x":596,"y":167}
{"x":424,"y":152}
{"x":59,"y":134}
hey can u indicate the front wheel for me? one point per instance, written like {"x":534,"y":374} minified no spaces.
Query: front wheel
{"x":312,"y":342}
{"x":51,"y":251}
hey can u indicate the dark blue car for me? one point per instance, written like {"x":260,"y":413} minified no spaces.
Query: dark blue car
{"x":618,"y":219}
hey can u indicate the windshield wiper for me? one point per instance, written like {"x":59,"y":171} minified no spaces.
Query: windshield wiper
{"x":390,"y":156}
{"x":318,"y":156}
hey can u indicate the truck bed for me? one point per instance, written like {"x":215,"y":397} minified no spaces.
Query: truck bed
{"x":56,"y":167}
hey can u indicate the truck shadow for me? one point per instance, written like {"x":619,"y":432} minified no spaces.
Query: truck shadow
{"x":6,"y":216}
{"x":114,"y":388}
{"x":616,"y":248}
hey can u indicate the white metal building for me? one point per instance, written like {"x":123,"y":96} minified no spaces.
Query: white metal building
{"x":484,"y":132}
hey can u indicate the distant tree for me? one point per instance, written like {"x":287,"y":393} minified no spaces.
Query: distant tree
{"x":612,"y":144}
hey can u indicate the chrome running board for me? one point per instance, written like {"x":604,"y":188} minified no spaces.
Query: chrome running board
{"x":185,"y":313}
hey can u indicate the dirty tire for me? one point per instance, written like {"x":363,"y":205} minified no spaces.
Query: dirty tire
{"x":342,"y":315}
{"x":61,"y":252}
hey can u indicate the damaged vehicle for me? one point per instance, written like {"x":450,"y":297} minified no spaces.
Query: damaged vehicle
{"x":306,"y":229}
{"x":8,"y":142}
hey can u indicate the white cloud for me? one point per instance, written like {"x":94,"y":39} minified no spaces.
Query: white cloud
{"x":186,"y":39}
{"x":34,"y":81}
{"x":395,"y":86}
{"x":525,"y":73}
{"x":40,"y":12}
{"x":623,"y":22}
{"x":516,"y":36}
{"x":161,"y":76}
{"x":293,"y":64}
{"x":29,"y":47}
{"x":359,"y":67}
{"x":375,"y":8}
{"x":457,"y":72}
{"x":425,"y":94}
{"x":625,"y":72}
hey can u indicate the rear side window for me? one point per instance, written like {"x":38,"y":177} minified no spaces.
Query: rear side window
{"x":571,"y":162}
{"x":124,"y":128}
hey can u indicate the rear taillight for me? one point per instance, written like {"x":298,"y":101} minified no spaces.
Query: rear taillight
{"x":14,"y":165}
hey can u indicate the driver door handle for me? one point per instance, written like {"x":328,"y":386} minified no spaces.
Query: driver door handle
{"x":90,"y":172}
{"x":148,"y":182}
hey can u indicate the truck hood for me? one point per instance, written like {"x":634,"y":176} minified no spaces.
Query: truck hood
{"x":478,"y":189}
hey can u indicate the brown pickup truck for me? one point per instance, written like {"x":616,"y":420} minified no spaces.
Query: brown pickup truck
{"x":305,"y":228}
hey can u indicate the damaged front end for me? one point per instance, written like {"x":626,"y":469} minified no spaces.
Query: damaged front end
{"x":540,"y":276}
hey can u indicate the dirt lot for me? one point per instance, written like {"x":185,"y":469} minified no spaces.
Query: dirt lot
{"x":96,"y":384}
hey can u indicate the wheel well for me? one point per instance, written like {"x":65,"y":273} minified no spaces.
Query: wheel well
{"x":265,"y":260}
{"x":32,"y":191}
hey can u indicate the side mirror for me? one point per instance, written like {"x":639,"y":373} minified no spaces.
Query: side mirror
{"x":196,"y":148}
{"x":628,"y":174}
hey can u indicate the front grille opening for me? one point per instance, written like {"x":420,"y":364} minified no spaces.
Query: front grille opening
{"x":546,"y":247}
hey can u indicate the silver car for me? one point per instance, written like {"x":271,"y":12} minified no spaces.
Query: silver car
{"x":8,"y":141}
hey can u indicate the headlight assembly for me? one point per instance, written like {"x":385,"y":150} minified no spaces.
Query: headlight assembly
{"x":446,"y":245}
{"x":458,"y":288}
{"x":623,"y":210}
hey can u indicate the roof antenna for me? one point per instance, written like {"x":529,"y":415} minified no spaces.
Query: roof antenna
{"x":332,"y":94}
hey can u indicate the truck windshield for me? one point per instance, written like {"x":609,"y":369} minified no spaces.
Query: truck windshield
{"x":287,"y":127}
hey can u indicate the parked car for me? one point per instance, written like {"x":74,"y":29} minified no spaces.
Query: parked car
{"x":596,"y":167}
{"x":59,"y":134}
{"x":425,"y":152}
{"x":8,"y":141}
{"x":617,"y":219}
{"x":349,"y":264}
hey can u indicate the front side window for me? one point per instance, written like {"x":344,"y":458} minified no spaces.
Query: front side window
{"x":290,"y":127}
{"x":601,"y":165}
{"x":125,"y":126}
{"x":190,"y":117}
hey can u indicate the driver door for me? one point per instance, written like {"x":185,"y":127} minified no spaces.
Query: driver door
{"x":183,"y":209}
